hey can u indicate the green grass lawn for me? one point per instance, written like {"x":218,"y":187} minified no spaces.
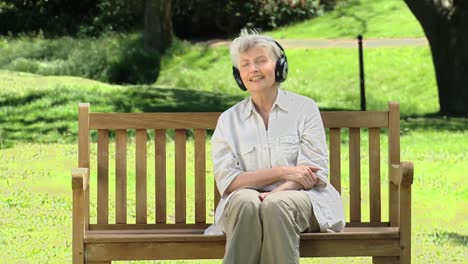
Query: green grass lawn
{"x":330,"y":76}
{"x":370,"y":18}
{"x":35,"y":200}
{"x":38,"y":124}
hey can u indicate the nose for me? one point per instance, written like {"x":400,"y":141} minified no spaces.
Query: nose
{"x":254,"y":67}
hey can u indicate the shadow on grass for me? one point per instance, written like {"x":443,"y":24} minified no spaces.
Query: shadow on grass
{"x":360,"y":21}
{"x":347,"y":10}
{"x":135,"y":65}
{"x":435,"y":122}
{"x":151,"y":99}
{"x":51,"y":115}
{"x":451,"y":237}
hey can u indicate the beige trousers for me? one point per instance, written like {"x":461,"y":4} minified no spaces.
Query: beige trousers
{"x":266,"y":231}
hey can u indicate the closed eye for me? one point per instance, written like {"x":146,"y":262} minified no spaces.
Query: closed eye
{"x":261,"y":60}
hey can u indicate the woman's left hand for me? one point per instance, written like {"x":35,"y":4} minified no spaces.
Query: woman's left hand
{"x":263,"y":195}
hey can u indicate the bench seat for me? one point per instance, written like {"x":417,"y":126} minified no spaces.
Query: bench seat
{"x":175,"y":235}
{"x":104,"y":245}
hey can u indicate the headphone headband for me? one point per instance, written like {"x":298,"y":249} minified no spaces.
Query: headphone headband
{"x":281,"y":47}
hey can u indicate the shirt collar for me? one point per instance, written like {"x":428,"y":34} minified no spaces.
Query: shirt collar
{"x":281,"y":101}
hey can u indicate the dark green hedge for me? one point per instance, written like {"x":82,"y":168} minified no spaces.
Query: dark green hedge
{"x":69,"y":17}
{"x":191,"y":18}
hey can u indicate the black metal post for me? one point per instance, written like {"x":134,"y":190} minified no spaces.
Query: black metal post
{"x":361,"y":74}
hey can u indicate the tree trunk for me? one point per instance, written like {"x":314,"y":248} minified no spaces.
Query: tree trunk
{"x":158,"y":25}
{"x":446,"y":28}
{"x":449,"y":49}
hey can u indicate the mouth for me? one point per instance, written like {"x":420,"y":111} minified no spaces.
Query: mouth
{"x":256,"y":78}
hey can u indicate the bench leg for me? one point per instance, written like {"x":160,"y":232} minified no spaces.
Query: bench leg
{"x":385,"y":260}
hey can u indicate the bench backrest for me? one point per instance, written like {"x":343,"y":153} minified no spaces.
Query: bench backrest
{"x":336,"y":123}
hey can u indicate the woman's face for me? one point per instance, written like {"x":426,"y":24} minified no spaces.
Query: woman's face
{"x":257,"y":69}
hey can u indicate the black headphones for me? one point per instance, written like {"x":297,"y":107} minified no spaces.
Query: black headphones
{"x":281,"y":70}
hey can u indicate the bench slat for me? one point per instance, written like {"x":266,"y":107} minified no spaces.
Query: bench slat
{"x":354,"y":175}
{"x":121,"y":176}
{"x":208,"y":120}
{"x":217,"y":196}
{"x":103,"y":177}
{"x":180,"y":176}
{"x":203,"y":226}
{"x":97,"y":227}
{"x":160,"y":161}
{"x":83,"y":152}
{"x":374,"y":174}
{"x":361,"y":246}
{"x":354,"y":119}
{"x":200,"y":175}
{"x":393,"y":158}
{"x":153,"y":120}
{"x":212,"y":247}
{"x":141,"y":169}
{"x":83,"y":136}
{"x":197,"y":235}
{"x":335,"y":159}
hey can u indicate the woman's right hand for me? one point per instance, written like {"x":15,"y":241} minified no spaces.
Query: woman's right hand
{"x":304,"y":175}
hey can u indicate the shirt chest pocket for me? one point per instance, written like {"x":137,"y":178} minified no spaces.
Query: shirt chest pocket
{"x":288,"y":149}
{"x":248,"y":157}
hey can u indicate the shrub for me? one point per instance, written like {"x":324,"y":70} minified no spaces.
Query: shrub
{"x":135,"y":65}
{"x":114,"y":58}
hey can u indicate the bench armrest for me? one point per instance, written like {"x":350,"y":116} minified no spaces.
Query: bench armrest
{"x":80,"y":179}
{"x":402,"y":174}
{"x":80,"y":183}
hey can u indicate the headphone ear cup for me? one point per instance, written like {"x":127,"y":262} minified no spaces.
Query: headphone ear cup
{"x":237,"y":78}
{"x":281,"y":70}
{"x":285,"y":70}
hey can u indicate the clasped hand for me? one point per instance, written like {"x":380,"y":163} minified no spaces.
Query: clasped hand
{"x":295,"y":178}
{"x":304,"y":175}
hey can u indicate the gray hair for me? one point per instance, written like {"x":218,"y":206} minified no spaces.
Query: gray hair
{"x":252,"y":38}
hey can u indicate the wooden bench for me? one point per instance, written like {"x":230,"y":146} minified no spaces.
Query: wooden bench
{"x":97,"y":240}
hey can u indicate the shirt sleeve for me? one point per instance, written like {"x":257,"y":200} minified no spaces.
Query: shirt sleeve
{"x":313,"y":146}
{"x":226,"y":164}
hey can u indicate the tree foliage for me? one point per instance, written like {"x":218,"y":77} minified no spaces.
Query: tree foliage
{"x":191,"y":18}
{"x":69,"y":17}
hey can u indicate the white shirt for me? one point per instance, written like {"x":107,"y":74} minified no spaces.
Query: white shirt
{"x":295,"y":136}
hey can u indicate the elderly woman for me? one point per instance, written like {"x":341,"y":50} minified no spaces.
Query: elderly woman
{"x":270,"y":162}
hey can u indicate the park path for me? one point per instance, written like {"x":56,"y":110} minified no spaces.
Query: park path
{"x":339,"y":43}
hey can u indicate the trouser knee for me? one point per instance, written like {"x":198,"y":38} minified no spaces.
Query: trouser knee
{"x":244,"y":204}
{"x":275,"y":211}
